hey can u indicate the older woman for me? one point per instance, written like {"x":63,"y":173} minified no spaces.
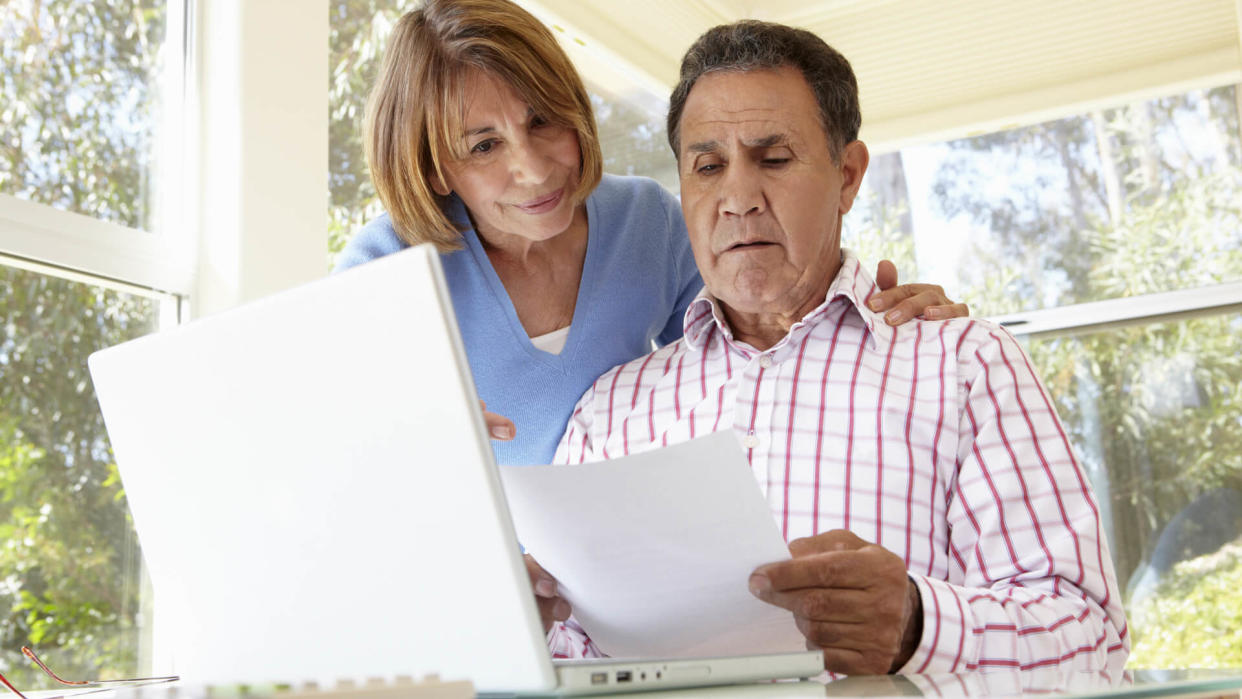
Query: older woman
{"x":481,"y":140}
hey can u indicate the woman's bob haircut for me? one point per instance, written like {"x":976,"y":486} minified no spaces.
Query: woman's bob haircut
{"x":416,"y":111}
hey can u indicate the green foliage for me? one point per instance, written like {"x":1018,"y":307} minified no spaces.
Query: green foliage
{"x":1195,"y":619}
{"x":82,"y":104}
{"x":70,"y":562}
{"x":82,"y":107}
{"x":359,"y":32}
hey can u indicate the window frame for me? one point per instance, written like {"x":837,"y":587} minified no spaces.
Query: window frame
{"x":73,"y":245}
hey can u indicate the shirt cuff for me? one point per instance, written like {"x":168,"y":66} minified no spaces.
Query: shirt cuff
{"x":945,"y":643}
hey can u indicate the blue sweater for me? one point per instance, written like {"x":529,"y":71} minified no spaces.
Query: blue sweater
{"x":638,"y":278}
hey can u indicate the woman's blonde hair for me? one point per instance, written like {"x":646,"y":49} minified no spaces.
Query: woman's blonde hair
{"x":415,"y":114}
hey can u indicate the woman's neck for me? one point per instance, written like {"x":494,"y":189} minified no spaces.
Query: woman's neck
{"x":521,"y":252}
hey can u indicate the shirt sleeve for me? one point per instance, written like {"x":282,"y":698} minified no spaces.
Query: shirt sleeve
{"x":684,"y":273}
{"x":576,"y":445}
{"x":567,"y":640}
{"x":1031,"y":579}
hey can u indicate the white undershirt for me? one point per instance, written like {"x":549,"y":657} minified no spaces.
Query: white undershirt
{"x":552,"y":342}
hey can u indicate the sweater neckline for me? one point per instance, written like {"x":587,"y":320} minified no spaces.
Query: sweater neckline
{"x":497,"y":288}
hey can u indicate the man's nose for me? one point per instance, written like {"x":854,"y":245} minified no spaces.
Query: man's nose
{"x":742,"y":193}
{"x":528,"y":163}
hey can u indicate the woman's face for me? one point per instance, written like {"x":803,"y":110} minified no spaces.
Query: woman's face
{"x":519,"y":172}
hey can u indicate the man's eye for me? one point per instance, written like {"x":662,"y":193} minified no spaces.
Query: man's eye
{"x":708,"y":168}
{"x":775,"y":161}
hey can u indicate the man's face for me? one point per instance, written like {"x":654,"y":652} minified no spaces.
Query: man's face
{"x":762,"y":196}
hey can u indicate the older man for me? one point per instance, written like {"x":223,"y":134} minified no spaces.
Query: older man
{"x":937,"y":516}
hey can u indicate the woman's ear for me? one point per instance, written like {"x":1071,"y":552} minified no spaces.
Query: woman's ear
{"x":438,"y":186}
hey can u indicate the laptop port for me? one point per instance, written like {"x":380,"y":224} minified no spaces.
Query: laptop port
{"x":624,"y":676}
{"x":599,"y":678}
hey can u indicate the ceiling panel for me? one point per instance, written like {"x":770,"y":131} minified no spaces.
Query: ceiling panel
{"x":927,"y":69}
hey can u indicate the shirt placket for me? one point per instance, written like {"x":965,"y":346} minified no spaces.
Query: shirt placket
{"x":755,"y":408}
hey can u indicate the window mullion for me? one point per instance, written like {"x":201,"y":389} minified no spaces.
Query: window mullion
{"x":1102,"y":315}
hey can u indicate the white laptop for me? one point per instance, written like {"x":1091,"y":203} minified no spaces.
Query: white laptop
{"x":316,"y":499}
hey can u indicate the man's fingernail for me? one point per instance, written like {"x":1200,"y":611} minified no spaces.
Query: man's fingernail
{"x":561,"y":610}
{"x":875,"y":304}
{"x":931,"y":313}
{"x":760,"y":585}
{"x":894,"y":316}
{"x":545,"y":588}
{"x":502,"y":432}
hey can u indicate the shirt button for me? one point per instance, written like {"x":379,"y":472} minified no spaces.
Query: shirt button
{"x":750,"y":441}
{"x":765,"y":361}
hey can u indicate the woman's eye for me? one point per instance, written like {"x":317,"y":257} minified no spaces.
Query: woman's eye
{"x":483,"y":147}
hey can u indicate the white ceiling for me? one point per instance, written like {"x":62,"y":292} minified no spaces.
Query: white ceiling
{"x":933,"y":69}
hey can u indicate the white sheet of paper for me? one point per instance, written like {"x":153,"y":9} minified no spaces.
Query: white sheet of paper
{"x":654,"y":550}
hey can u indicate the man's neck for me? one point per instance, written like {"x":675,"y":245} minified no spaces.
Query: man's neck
{"x":763,"y":330}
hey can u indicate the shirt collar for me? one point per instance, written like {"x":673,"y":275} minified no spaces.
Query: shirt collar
{"x":852,"y":283}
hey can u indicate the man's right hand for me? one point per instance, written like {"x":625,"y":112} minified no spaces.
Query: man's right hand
{"x":552,"y":607}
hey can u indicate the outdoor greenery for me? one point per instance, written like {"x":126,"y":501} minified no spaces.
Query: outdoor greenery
{"x":77,"y":108}
{"x":1196,"y":618}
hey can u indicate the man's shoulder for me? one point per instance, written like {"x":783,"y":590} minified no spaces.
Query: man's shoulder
{"x":975,"y":344}
{"x":957,"y":335}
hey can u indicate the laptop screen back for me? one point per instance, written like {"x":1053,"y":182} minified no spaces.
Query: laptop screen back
{"x":313,"y":492}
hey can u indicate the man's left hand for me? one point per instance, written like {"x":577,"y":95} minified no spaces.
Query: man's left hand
{"x":850,"y":598}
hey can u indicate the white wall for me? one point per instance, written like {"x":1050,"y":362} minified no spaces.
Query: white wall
{"x":262,"y":200}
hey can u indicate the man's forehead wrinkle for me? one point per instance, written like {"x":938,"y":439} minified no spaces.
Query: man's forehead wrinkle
{"x":775,"y":139}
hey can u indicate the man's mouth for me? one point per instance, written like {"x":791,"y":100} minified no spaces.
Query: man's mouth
{"x":749,"y":245}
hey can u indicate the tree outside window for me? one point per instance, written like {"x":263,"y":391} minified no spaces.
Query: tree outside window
{"x":78,"y":104}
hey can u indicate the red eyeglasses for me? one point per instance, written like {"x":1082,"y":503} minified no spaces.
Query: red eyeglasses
{"x":83,"y":683}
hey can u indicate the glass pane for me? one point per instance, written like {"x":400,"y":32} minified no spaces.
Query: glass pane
{"x":1155,"y":412}
{"x":1142,"y":198}
{"x":358,"y":35}
{"x":633,"y":136}
{"x":83,"y":105}
{"x":71,"y":580}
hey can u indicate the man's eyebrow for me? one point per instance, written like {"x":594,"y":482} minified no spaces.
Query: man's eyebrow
{"x":776,"y":139}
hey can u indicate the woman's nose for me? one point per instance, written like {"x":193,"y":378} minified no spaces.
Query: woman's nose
{"x":529,"y":163}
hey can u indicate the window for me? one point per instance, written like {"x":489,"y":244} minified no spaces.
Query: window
{"x":84,"y":176}
{"x":84,"y":105}
{"x":1111,"y":242}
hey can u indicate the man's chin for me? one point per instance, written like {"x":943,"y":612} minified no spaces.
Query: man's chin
{"x":750,"y":300}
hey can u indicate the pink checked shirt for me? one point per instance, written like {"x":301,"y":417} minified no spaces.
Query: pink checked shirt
{"x":934,"y":440}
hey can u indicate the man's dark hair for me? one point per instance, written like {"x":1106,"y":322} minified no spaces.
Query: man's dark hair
{"x":754,"y":45}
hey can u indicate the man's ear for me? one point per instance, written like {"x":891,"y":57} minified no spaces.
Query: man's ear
{"x":438,"y":186}
{"x":854,"y":161}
